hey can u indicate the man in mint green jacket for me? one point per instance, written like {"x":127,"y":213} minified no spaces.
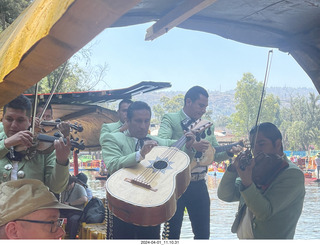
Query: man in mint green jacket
{"x":124,"y":150}
{"x":119,"y":126}
{"x":52,"y":169}
{"x":196,"y":198}
{"x":270,"y":188}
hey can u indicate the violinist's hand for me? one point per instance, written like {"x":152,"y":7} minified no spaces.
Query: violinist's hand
{"x":191,"y":139}
{"x":62,"y":151}
{"x":201,"y":146}
{"x":37,"y":124}
{"x":147,"y":147}
{"x":236,"y":149}
{"x":245,"y":175}
{"x":64,"y":128}
{"x":21,"y":140}
{"x":124,"y":127}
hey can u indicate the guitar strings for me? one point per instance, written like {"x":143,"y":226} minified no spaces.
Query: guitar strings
{"x":148,"y":175}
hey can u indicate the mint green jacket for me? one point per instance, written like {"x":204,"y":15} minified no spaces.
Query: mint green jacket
{"x":170,"y":128}
{"x":42,"y":167}
{"x":118,"y":150}
{"x":276,"y":211}
{"x":110,"y":127}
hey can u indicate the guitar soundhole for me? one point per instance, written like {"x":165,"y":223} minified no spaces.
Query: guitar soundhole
{"x":160,"y":164}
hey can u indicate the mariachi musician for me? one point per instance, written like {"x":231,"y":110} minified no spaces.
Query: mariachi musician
{"x":15,"y":139}
{"x":121,"y":150}
{"x":121,"y":125}
{"x":196,"y":198}
{"x":269,"y":187}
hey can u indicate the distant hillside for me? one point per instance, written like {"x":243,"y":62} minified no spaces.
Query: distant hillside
{"x":222,"y":103}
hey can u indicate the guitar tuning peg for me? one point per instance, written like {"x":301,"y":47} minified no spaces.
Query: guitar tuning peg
{"x":198,"y":137}
{"x":209,"y":131}
{"x":203,"y":135}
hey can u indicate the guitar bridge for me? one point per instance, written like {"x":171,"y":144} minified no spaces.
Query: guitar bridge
{"x":140,"y":183}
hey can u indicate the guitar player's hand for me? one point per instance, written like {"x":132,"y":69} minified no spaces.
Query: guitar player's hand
{"x":236,"y":149}
{"x":201,"y":146}
{"x":191,"y":138}
{"x":147,"y":147}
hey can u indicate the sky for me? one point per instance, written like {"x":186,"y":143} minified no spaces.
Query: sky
{"x":186,"y":58}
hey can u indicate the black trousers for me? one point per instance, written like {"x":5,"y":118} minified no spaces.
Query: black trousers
{"x":197,"y":201}
{"x":123,"y":230}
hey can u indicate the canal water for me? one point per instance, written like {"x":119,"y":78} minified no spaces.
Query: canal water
{"x":222,"y":214}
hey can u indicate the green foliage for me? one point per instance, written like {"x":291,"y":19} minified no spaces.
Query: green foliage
{"x":167,"y":105}
{"x":248,"y":96}
{"x":79,"y":75}
{"x":172,"y":105}
{"x":10,"y":10}
{"x":222,"y":121}
{"x":300,"y":123}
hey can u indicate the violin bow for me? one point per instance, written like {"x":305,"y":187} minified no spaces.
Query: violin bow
{"x":244,"y":162}
{"x":52,"y":91}
{"x":266,"y":77}
{"x":34,"y":108}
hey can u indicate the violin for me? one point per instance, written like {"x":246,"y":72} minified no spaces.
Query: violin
{"x":44,"y":138}
{"x":42,"y":141}
{"x":75,"y":143}
{"x":266,"y":165}
{"x":54,"y":126}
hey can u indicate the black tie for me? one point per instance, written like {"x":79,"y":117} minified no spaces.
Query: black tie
{"x":140,"y":143}
{"x":17,"y":156}
{"x":185,"y":123}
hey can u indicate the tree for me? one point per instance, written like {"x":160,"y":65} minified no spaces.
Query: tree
{"x":78,"y":75}
{"x":10,"y":10}
{"x":300,"y":127}
{"x":248,"y":96}
{"x":167,"y":105}
{"x":222,"y":121}
{"x":171,"y":105}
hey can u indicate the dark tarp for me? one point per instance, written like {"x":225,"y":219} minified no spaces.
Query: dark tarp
{"x":292,"y":26}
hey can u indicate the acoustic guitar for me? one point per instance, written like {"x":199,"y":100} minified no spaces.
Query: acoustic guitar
{"x":147,"y":193}
{"x":206,"y":158}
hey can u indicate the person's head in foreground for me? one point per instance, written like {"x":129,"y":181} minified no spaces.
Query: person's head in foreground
{"x":28,"y":210}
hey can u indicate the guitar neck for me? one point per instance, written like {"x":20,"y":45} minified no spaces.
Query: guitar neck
{"x":196,"y":127}
{"x":180,"y":142}
{"x":227,"y":147}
